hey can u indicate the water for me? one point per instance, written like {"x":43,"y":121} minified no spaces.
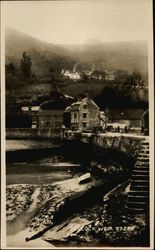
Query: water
{"x":36,"y":166}
{"x":28,"y":173}
{"x":13,"y":145}
{"x":45,"y":167}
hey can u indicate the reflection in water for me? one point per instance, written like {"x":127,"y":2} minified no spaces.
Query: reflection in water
{"x":38,"y":178}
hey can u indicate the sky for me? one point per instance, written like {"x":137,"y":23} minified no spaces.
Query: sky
{"x":78,"y":22}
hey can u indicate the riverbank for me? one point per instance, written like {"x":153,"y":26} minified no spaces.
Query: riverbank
{"x":67,"y":213}
{"x":106,"y":223}
{"x":40,"y":214}
{"x":61,"y":210}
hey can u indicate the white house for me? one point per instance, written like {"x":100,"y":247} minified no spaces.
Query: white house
{"x":71,"y":75}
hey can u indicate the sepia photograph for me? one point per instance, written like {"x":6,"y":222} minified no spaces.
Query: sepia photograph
{"x":77,"y":124}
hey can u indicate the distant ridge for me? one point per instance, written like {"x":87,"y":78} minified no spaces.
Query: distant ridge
{"x":128,"y":56}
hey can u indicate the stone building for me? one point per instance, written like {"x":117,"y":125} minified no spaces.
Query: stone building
{"x":84,"y":114}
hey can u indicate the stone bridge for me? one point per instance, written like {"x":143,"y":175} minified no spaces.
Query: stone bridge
{"x":134,"y":145}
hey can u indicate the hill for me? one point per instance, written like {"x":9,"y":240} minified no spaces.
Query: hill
{"x":129,"y":56}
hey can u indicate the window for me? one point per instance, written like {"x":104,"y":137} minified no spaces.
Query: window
{"x":84,"y":124}
{"x":75,"y":115}
{"x":85,"y":106}
{"x":84,"y":115}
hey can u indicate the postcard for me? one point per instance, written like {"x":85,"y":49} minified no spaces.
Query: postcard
{"x":77,"y":124}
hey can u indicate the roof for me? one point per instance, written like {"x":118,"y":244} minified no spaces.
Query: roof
{"x":54,"y":104}
{"x":146,"y":113}
{"x":88,"y":99}
{"x":76,"y":105}
{"x":124,"y":114}
{"x":51,"y":112}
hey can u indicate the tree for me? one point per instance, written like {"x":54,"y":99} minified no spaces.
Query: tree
{"x":99,"y":74}
{"x":26,"y":65}
{"x":134,"y":84}
{"x":137,"y":81}
{"x":84,"y":77}
{"x":10,"y":69}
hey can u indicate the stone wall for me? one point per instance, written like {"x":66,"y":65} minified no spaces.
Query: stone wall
{"x":28,"y":133}
{"x":130,"y":144}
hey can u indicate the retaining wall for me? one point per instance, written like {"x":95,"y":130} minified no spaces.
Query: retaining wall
{"x":29,"y":133}
{"x":126,"y":143}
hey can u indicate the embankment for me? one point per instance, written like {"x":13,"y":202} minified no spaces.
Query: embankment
{"x":36,"y":133}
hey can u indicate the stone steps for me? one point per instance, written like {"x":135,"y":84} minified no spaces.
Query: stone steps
{"x":135,"y":210}
{"x":141,"y":164}
{"x":138,"y":197}
{"x":138,"y":192}
{"x":141,"y":171}
{"x":140,"y":177}
{"x":137,"y":204}
{"x":143,"y":154}
{"x":142,"y":159}
{"x":139,"y":182}
{"x":139,"y":188}
{"x":145,"y":143}
{"x":144,"y":151}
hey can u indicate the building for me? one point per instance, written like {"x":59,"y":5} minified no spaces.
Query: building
{"x":145,"y":122}
{"x":110,"y":78}
{"x":32,"y":111}
{"x":71,"y":74}
{"x":50,"y":118}
{"x":103,"y":120}
{"x":30,"y":108}
{"x":131,"y":118}
{"x":83,"y":114}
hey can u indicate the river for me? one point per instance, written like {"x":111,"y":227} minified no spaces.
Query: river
{"x":84,"y":212}
{"x":29,"y":162}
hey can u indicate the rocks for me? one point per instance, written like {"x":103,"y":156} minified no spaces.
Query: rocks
{"x":46,"y":208}
{"x":53,"y":198}
{"x":18,"y":199}
{"x":84,"y":178}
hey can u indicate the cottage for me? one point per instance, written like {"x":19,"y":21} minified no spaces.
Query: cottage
{"x":84,"y":114}
{"x":110,"y":77}
{"x":71,"y":75}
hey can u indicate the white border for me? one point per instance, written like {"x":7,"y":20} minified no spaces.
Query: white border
{"x":151,"y":138}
